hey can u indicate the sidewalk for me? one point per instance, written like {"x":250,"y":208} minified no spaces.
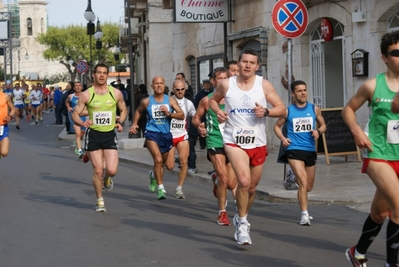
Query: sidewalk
{"x":339,"y":183}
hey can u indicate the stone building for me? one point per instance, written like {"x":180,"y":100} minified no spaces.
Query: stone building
{"x":329,"y":67}
{"x":30,"y":20}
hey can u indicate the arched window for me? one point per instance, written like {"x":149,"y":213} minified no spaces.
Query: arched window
{"x":29,"y":24}
{"x":393,"y":23}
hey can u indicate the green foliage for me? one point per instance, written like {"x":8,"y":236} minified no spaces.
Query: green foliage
{"x":72,"y":42}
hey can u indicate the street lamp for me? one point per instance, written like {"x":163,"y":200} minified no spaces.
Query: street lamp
{"x":19,"y":59}
{"x":98,"y":35}
{"x":90,"y":17}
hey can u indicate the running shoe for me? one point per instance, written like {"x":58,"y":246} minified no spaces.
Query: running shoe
{"x":215,"y":183}
{"x":179,"y":194}
{"x":40,"y":119}
{"x":100,"y":206}
{"x":108,"y":183}
{"x":80,"y":154}
{"x":242,"y":234}
{"x":36,"y":122}
{"x":350,"y":255}
{"x":153,"y":182}
{"x":192,"y":171}
{"x":76,"y":150}
{"x":288,"y":184}
{"x":223,"y":220}
{"x":305,"y":220}
{"x":161,"y":194}
{"x":17,"y":127}
{"x":85,"y":158}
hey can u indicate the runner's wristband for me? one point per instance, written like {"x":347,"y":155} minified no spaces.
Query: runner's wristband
{"x":121,"y":123}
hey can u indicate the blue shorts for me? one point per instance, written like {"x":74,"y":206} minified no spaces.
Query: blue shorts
{"x":5,"y":132}
{"x":163,"y":140}
{"x":35,"y":105}
{"x":83,"y":118}
{"x":19,"y":106}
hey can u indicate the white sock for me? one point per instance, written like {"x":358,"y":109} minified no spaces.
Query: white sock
{"x":360,"y":256}
{"x":220,"y":211}
{"x":160,"y":186}
{"x":179,"y":187}
{"x":305,"y":212}
{"x":98,"y":199}
{"x":243,"y":219}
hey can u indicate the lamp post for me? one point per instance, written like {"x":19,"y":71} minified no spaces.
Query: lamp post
{"x":90,"y":17}
{"x":98,"y":35}
{"x":19,"y":59}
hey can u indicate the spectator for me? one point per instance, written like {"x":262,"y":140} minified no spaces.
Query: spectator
{"x":57,"y":96}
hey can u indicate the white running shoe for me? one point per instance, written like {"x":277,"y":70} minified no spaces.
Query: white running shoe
{"x":305,"y":220}
{"x":242,"y":234}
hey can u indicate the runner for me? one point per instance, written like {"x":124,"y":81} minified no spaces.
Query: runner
{"x":7,"y":111}
{"x":224,"y":177}
{"x":71,"y":103}
{"x":158,"y":138}
{"x":381,"y":144}
{"x":101,"y":102}
{"x":300,"y":142}
{"x":178,"y":128}
{"x":246,"y":96}
{"x":18,"y":95}
{"x":36,"y":97}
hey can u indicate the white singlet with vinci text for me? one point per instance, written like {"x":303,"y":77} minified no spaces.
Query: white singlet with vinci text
{"x":242,"y":127}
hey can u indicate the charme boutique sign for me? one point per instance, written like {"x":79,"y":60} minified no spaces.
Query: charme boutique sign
{"x":201,"y":11}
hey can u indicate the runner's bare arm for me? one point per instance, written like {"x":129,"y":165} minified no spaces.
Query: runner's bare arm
{"x":362,"y":95}
{"x":179,"y":114}
{"x":272,"y":97}
{"x":216,"y":97}
{"x":202,"y":108}
{"x":80,"y":106}
{"x":141,"y":107}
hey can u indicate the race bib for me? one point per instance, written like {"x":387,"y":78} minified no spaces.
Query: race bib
{"x":1,"y":130}
{"x":244,"y":136}
{"x":102,"y":118}
{"x":302,"y":125}
{"x":393,"y":132}
{"x":157,"y":113}
{"x":177,"y":124}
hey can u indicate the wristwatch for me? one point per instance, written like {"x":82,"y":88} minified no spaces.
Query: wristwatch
{"x":121,"y":123}
{"x":266,"y":113}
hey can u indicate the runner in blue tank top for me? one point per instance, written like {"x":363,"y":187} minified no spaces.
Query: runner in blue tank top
{"x":158,"y":141}
{"x":300,"y":144}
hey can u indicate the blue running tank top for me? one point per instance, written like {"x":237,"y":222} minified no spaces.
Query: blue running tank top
{"x":157,"y":120}
{"x":300,"y":122}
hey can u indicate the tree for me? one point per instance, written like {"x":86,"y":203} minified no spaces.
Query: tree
{"x":72,"y":43}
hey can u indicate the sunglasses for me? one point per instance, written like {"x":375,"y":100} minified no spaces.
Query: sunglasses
{"x":393,"y":53}
{"x":181,"y":89}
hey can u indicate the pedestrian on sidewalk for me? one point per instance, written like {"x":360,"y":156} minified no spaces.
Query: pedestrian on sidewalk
{"x":158,"y":138}
{"x":246,"y":96}
{"x":58,"y":105}
{"x":381,"y":161}
{"x":300,"y":144}
{"x":101,"y":102}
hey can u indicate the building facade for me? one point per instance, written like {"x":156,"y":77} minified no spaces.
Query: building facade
{"x":31,"y":21}
{"x":332,"y":67}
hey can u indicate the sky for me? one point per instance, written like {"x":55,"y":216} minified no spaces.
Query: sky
{"x":68,"y":12}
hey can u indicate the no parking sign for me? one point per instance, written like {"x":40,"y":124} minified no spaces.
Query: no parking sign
{"x":82,"y":66}
{"x":290,"y":18}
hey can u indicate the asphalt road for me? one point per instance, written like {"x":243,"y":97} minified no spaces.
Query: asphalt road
{"x":48,"y":219}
